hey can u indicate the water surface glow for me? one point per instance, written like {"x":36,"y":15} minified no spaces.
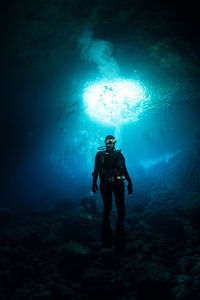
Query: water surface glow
{"x":114,"y":102}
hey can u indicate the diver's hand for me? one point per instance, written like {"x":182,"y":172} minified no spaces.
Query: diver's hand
{"x":130,"y":188}
{"x":94,"y":188}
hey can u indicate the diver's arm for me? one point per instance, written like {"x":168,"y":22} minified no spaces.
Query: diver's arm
{"x":124,"y":169}
{"x":128,"y":178}
{"x":96,"y":168}
{"x":95,"y":173}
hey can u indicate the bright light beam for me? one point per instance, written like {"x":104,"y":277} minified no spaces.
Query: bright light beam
{"x":116,"y":102}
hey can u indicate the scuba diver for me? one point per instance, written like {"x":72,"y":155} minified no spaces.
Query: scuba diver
{"x":111,"y":168}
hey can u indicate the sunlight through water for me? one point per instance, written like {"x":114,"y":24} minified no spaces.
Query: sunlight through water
{"x":114,"y":102}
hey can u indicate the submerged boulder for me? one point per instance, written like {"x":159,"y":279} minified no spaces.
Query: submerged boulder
{"x":74,"y":259}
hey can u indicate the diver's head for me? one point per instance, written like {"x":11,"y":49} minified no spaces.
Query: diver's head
{"x":110,"y":142}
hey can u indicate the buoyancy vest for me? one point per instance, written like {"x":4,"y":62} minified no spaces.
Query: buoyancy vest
{"x":111,"y":164}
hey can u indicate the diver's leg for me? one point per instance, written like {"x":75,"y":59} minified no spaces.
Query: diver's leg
{"x":106,"y":193}
{"x":120,"y":236}
{"x":119,"y":200}
{"x":106,"y":234}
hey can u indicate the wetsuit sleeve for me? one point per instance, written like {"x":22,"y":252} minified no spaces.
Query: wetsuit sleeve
{"x":96,"y":168}
{"x":125,"y":172}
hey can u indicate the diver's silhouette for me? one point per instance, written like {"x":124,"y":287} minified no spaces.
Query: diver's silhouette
{"x":111,"y":168}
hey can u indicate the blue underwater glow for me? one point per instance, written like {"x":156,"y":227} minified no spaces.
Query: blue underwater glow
{"x":114,"y":102}
{"x":57,"y":139}
{"x":165,"y":158}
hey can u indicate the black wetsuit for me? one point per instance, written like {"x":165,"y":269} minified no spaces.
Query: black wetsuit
{"x":111,"y":168}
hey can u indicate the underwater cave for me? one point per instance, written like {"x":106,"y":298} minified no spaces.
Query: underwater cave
{"x":73,"y":73}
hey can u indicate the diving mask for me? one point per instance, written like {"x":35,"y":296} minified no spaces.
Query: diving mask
{"x":111,"y":141}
